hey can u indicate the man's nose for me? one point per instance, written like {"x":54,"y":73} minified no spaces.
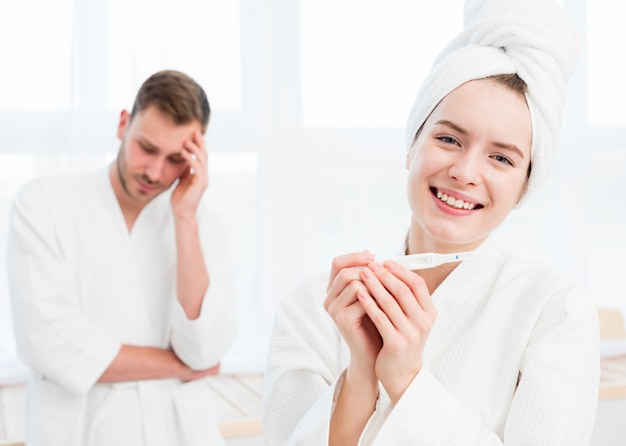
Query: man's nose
{"x":154,"y":169}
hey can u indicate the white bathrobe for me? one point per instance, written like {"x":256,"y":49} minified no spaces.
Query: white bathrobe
{"x":500,"y":319}
{"x":81,"y":286}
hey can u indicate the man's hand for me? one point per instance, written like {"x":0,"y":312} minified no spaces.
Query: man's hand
{"x":134,"y":363}
{"x":194,"y":180}
{"x":192,"y":277}
{"x":193,"y":375}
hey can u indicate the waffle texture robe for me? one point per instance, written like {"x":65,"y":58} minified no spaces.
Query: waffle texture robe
{"x":512,"y":359}
{"x":81,"y":286}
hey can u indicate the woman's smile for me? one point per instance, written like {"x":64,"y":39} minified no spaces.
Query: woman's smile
{"x":454,"y":201}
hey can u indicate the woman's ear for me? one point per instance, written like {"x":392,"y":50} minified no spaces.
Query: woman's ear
{"x":413,"y":149}
{"x":411,"y":154}
{"x":521,"y":194}
{"x":525,"y":186}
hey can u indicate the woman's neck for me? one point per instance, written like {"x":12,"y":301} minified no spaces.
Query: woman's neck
{"x":417,"y":243}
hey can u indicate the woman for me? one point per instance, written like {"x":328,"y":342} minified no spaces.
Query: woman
{"x":489,"y":351}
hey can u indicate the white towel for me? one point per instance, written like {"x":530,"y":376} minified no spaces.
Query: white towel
{"x":532,"y":38}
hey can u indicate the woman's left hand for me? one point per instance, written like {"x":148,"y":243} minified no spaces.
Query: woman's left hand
{"x":399,"y":305}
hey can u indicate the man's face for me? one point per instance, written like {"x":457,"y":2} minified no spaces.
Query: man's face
{"x":149,"y":159}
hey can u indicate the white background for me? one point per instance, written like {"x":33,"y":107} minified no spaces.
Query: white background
{"x":309,"y":103}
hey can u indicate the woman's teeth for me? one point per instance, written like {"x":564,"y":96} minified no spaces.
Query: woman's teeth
{"x":451,"y":201}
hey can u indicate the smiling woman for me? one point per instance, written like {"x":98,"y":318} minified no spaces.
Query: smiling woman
{"x":476,"y":351}
{"x":306,"y":142}
{"x":465,"y":165}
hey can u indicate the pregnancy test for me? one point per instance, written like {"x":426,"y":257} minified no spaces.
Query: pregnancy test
{"x":430,"y":259}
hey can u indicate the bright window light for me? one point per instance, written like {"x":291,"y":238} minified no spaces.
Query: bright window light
{"x":36,"y":54}
{"x":606,"y":63}
{"x":363,"y":60}
{"x":199,"y":38}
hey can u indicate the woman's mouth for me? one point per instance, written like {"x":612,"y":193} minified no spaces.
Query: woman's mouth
{"x":453,"y":202}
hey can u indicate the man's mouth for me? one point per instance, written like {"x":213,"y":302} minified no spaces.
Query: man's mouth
{"x":146,"y":184}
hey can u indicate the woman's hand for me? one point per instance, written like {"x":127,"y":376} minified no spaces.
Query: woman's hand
{"x":357,"y":398}
{"x":399,"y":305}
{"x":349,"y":315}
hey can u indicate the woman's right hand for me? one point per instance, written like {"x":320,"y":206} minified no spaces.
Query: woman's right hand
{"x":343,"y":305}
{"x":357,"y":398}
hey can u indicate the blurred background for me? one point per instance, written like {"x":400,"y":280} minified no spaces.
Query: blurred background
{"x":306,"y":140}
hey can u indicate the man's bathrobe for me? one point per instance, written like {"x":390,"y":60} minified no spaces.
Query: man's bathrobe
{"x":81,"y":286}
{"x":512,"y":359}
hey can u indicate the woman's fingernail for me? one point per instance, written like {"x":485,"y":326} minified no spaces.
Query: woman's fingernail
{"x":366,"y":273}
{"x":389,"y":264}
{"x":374,"y":267}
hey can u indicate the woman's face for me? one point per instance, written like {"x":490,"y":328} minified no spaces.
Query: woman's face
{"x":468,"y":167}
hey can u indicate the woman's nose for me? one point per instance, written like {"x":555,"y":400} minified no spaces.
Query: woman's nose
{"x":466,"y":168}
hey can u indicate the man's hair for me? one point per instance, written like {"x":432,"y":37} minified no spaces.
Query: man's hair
{"x":176,"y":95}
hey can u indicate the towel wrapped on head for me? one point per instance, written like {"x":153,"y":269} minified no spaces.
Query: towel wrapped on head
{"x":532,"y":38}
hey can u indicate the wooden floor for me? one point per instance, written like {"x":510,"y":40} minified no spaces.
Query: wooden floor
{"x":238,"y":403}
{"x":238,"y":398}
{"x":613,"y":378}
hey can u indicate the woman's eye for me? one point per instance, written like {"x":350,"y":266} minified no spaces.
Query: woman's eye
{"x":448,"y":140}
{"x":502,"y":159}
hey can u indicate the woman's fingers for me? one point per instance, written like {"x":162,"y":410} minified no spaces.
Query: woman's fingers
{"x":355,"y":326}
{"x":348,"y":261}
{"x":343,"y":294}
{"x":400,"y":293}
{"x":377,"y":315}
{"x":399,"y":305}
{"x":345,"y":269}
{"x":386,"y":298}
{"x":414,"y":282}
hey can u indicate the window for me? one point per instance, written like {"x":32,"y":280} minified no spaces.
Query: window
{"x":309,"y":104}
{"x":606,"y":63}
{"x":368,"y":58}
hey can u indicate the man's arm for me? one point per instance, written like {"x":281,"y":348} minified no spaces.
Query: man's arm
{"x":192,"y":277}
{"x":134,"y":363}
{"x":203,"y":318}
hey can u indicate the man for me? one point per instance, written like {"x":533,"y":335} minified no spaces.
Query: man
{"x":120,"y":285}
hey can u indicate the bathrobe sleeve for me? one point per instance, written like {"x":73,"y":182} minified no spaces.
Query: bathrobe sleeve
{"x":53,"y":336}
{"x":303,"y":371}
{"x":554,"y":403}
{"x":200,"y":343}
